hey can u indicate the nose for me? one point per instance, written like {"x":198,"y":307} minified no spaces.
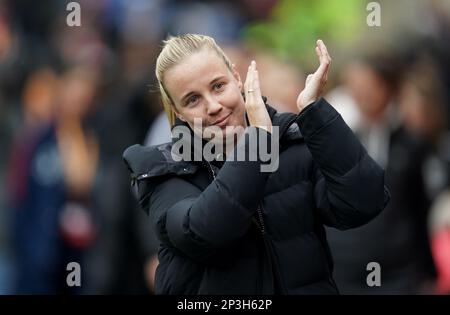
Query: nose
{"x":213,"y":107}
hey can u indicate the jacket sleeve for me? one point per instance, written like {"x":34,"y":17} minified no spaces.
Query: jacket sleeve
{"x":349,"y":185}
{"x":199,"y":222}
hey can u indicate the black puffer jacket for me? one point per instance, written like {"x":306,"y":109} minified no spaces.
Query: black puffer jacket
{"x":232,"y":229}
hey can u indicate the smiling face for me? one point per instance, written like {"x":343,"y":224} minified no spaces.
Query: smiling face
{"x":202,"y":87}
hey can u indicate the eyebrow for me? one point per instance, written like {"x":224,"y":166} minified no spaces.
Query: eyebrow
{"x":187,"y":95}
{"x":217,"y":79}
{"x":183,"y":99}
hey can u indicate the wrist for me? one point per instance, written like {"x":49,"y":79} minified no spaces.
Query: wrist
{"x":301,"y":106}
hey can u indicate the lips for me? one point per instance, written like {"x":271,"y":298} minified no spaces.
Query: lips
{"x":222,"y":122}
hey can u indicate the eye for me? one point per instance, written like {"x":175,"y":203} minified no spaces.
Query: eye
{"x":192,"y":100}
{"x":218,"y":86}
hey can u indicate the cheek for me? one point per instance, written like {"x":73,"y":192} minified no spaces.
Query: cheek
{"x":232,"y":98}
{"x":198,"y":115}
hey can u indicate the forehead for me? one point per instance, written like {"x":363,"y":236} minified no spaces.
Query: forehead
{"x":194,"y":72}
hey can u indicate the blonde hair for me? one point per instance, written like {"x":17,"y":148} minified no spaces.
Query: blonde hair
{"x":174,"y":50}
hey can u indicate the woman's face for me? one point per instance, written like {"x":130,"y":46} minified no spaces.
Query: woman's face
{"x":370,"y":92}
{"x":202,"y":87}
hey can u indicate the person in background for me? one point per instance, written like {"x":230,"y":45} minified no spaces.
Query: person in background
{"x":53,"y":219}
{"x":439,"y":231}
{"x":422,"y":104}
{"x":397,"y":239}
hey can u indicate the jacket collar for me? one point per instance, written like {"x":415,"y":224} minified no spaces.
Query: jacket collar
{"x":147,"y":162}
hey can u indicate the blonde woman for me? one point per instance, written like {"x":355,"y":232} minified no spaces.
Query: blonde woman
{"x":224,"y":225}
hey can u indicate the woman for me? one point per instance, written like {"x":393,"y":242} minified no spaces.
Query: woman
{"x":226,"y":227}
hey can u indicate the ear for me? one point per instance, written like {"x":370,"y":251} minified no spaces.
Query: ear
{"x":180,"y":117}
{"x":236,"y":76}
{"x":177,"y":113}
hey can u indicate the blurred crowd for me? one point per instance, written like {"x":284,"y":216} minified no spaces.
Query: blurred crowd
{"x":73,"y":98}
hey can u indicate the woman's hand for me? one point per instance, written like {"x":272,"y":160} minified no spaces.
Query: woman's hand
{"x":254,"y":105}
{"x":315,"y":83}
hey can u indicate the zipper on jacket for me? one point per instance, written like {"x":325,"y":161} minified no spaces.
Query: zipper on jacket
{"x":210,"y":170}
{"x":261,"y":220}
{"x":269,"y":250}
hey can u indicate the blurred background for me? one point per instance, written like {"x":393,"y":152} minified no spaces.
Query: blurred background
{"x":73,"y":98}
